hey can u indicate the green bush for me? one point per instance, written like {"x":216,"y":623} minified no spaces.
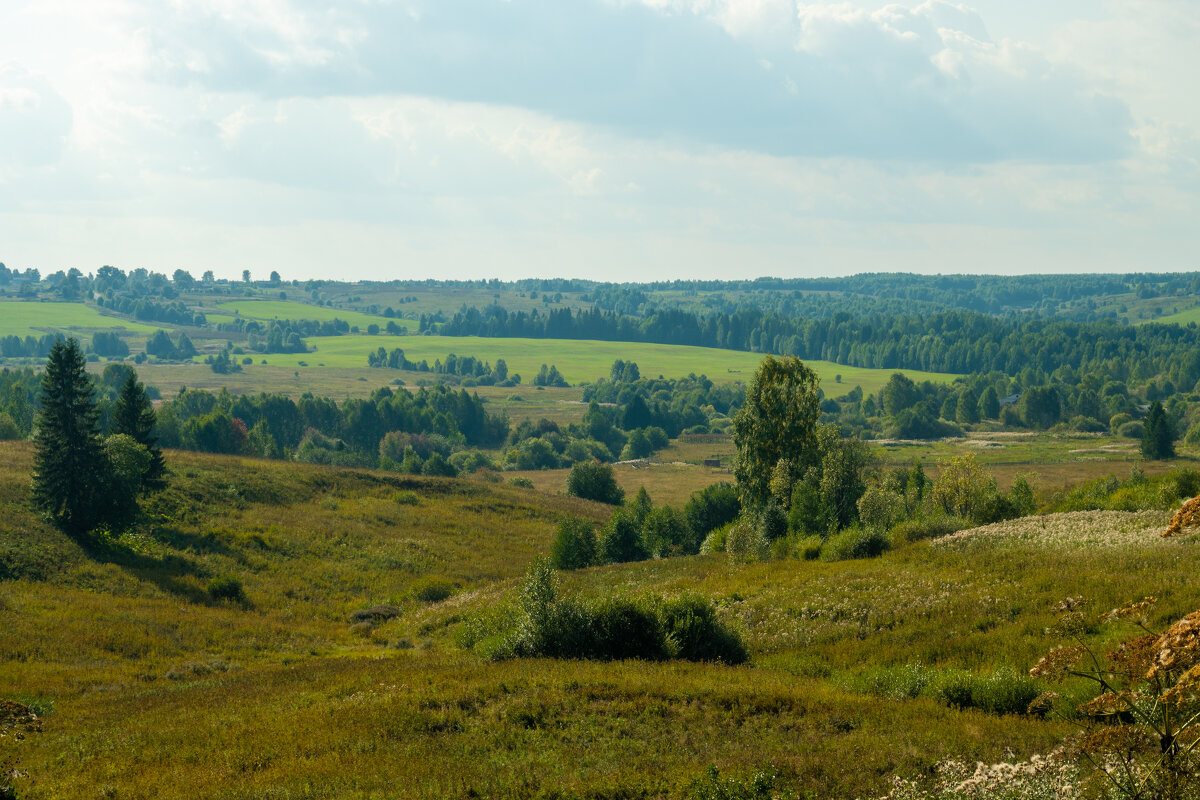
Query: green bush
{"x":932,"y":527}
{"x":855,"y":543}
{"x":760,"y":786}
{"x":715,"y":541}
{"x":1004,"y":691}
{"x":611,"y":629}
{"x":521,"y":481}
{"x":692,"y":624}
{"x":1131,"y":430}
{"x":406,"y":498}
{"x":227,"y":587}
{"x":574,"y":545}
{"x":902,"y":682}
{"x":809,"y":547}
{"x":593,"y":480}
{"x":433,"y":590}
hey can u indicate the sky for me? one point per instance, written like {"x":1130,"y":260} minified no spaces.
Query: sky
{"x":622,"y":140}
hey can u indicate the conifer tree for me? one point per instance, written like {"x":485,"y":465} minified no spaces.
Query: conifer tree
{"x":1158,"y":440}
{"x":68,"y":460}
{"x":134,"y":416}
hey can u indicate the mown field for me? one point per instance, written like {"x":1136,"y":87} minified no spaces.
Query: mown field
{"x":148,"y":685}
{"x":288,"y":309}
{"x":583,"y":360}
{"x":19,"y":318}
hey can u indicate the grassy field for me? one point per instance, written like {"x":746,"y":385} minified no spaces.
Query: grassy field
{"x":288,"y":309}
{"x":1185,"y":317}
{"x":19,"y":318}
{"x":583,"y":360}
{"x":148,"y":684}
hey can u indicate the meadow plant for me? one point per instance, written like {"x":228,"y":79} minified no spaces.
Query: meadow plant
{"x":1143,"y":728}
{"x":1051,"y":777}
{"x":16,"y":722}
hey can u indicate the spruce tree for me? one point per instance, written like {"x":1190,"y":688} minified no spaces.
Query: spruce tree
{"x":134,"y":416}
{"x":1158,"y":440}
{"x":68,"y":460}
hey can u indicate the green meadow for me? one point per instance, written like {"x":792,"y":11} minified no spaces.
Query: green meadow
{"x":288,"y":309}
{"x":20,"y":318}
{"x":146,"y":683}
{"x":583,"y":360}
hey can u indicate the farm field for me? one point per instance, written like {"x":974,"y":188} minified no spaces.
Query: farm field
{"x":1185,"y":317}
{"x":289,"y":309}
{"x":142,"y":678}
{"x":21,"y":318}
{"x":582,"y":360}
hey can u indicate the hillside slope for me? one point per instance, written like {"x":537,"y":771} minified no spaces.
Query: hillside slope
{"x":155,"y":689}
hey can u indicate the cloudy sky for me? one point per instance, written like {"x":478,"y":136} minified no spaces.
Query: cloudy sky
{"x":612,"y":139}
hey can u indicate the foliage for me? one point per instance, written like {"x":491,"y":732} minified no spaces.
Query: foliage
{"x":778,"y":421}
{"x":614,"y":629}
{"x":1142,"y":729}
{"x":227,"y":587}
{"x":854,"y":543}
{"x":621,"y":539}
{"x":134,"y":416}
{"x":574,"y":545}
{"x":1158,"y":439}
{"x":711,"y":507}
{"x":963,"y":488}
{"x":69,"y":465}
{"x":593,"y":480}
{"x":697,"y":634}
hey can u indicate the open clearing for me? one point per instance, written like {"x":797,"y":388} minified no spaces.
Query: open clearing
{"x":20,"y":318}
{"x":583,"y":360}
{"x":147,"y":684}
{"x":288,"y":309}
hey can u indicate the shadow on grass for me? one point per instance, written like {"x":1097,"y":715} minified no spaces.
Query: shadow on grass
{"x":168,"y":573}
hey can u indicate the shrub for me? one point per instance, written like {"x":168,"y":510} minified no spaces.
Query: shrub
{"x":433,"y":590}
{"x":698,"y":635}
{"x":744,"y":541}
{"x":621,"y":539}
{"x":227,"y":587}
{"x":665,"y":532}
{"x":760,"y":786}
{"x":855,"y":543}
{"x":809,"y":548}
{"x":715,"y":541}
{"x":1131,"y":430}
{"x":8,"y":429}
{"x":521,"y":481}
{"x":574,"y":546}
{"x":712,"y":507}
{"x":406,"y":498}
{"x":375,"y":614}
{"x":932,"y":527}
{"x":611,"y":629}
{"x":593,"y":480}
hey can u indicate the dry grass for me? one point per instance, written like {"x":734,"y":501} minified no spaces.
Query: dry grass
{"x":156,"y":687}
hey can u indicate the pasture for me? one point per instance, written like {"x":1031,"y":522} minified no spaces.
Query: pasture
{"x":581,"y":360}
{"x":289,"y":309}
{"x":148,"y":684}
{"x":21,"y":318}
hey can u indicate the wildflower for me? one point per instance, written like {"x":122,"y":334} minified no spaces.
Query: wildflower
{"x":1187,"y":516}
{"x":1057,"y":663}
{"x":1124,"y":739}
{"x":1178,"y":648}
{"x":1186,"y":689}
{"x":1133,"y":658}
{"x":1108,"y":704}
{"x":1069,"y":604}
{"x":1042,"y":704}
{"x":1130,"y":609}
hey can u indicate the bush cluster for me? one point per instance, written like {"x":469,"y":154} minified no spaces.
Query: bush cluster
{"x":611,"y":629}
{"x":1003,"y":691}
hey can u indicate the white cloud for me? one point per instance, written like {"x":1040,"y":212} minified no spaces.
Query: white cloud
{"x":34,"y":119}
